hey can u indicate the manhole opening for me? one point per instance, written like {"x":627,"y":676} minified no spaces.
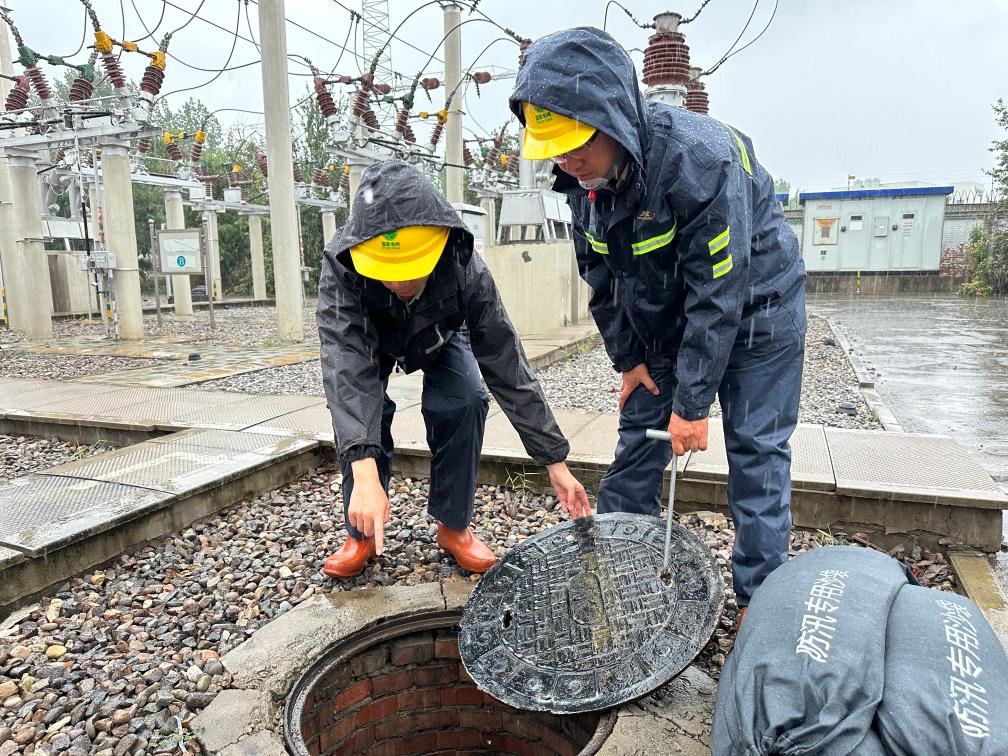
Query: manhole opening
{"x":404,"y":691}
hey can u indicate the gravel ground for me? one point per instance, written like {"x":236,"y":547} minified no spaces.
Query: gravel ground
{"x":588,"y":381}
{"x":55,"y":366}
{"x":302,"y":378}
{"x":114,"y":659}
{"x":21,"y":455}
{"x":234,"y":326}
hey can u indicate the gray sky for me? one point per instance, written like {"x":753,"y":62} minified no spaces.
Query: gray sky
{"x":895,"y":90}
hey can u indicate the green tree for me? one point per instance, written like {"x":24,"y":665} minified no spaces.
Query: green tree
{"x":782,"y":186}
{"x":989,"y":243}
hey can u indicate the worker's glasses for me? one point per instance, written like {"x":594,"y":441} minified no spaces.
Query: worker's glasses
{"x":578,"y":152}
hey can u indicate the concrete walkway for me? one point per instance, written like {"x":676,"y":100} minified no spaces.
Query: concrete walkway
{"x":893,"y":486}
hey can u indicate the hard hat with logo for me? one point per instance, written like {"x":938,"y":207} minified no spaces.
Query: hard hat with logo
{"x":548,"y":134}
{"x":403,"y":254}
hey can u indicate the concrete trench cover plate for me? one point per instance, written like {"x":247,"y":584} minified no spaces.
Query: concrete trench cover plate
{"x":577,"y":618}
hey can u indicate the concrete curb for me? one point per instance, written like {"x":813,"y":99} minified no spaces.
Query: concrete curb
{"x":866,"y":383}
{"x":981,"y":586}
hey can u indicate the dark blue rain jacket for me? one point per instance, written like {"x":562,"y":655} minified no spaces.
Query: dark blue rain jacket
{"x":690,"y":243}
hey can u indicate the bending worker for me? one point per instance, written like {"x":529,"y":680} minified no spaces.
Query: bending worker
{"x":698,"y":282}
{"x":401,"y":289}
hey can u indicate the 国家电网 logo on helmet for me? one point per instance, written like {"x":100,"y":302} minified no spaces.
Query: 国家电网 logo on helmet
{"x":390,"y":239}
{"x":541,"y":114}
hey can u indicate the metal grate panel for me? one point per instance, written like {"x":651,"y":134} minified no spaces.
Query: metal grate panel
{"x":313,"y":422}
{"x":930,"y":469}
{"x":811,"y":467}
{"x":172,"y":468}
{"x":234,"y":442}
{"x":42,"y":512}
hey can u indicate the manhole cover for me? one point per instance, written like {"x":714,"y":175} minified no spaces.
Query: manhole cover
{"x":577,"y":618}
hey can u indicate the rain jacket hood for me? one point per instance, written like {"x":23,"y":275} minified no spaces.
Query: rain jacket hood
{"x":585,"y":74}
{"x":393,"y":195}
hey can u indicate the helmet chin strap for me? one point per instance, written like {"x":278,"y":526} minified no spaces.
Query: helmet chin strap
{"x":612,"y":173}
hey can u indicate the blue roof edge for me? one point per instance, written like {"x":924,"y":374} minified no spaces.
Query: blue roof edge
{"x":908,"y":191}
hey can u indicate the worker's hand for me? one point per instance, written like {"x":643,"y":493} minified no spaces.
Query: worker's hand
{"x":569,"y":491}
{"x":687,"y":435}
{"x":369,"y":508}
{"x":639,"y":376}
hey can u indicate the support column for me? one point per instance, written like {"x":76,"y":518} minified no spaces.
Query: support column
{"x":489,"y":205}
{"x":328,"y":226}
{"x":34,"y":298}
{"x":10,"y":269}
{"x":453,"y":74}
{"x":356,"y":169}
{"x":258,"y":258}
{"x":175,"y":219}
{"x":213,"y":242}
{"x":283,"y":223}
{"x":121,"y":236}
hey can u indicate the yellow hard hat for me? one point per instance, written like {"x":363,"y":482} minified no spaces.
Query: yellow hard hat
{"x":401,"y":255}
{"x":548,"y":134}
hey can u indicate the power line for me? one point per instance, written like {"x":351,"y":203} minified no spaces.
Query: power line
{"x":234,"y":43}
{"x":150,"y":32}
{"x":195,"y":14}
{"x":83,"y":38}
{"x":725,"y":56}
{"x":762,"y":32}
{"x":694,"y":16}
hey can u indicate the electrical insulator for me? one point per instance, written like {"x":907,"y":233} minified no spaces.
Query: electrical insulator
{"x":143,"y":145}
{"x":467,"y":156}
{"x":38,"y":80}
{"x":382,"y":88}
{"x":696,"y":93}
{"x":113,"y":70}
{"x":324,"y":98}
{"x":80,"y":90}
{"x":435,"y":136}
{"x":152,"y":79}
{"x":512,"y":163}
{"x":360,"y":103}
{"x":494,"y":151}
{"x":522,"y":47}
{"x":666,"y":59}
{"x":17,"y":99}
{"x":482,"y":77}
{"x":371,"y":120}
{"x":173,"y":149}
{"x":233,"y":178}
{"x":344,"y":79}
{"x":430,"y":83}
{"x":319,"y":178}
{"x":261,"y":162}
{"x":298,"y":178}
{"x":402,"y":126}
{"x":197,"y":150}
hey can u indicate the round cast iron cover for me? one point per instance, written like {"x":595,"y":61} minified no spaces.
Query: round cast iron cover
{"x":577,"y":618}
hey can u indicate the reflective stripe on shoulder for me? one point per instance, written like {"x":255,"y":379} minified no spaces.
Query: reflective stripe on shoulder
{"x":742,"y":149}
{"x":601,"y":247}
{"x":649,"y":245}
{"x":722,"y":267}
{"x":720,"y":241}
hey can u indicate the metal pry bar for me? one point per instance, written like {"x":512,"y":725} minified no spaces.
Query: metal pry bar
{"x":661,"y":435}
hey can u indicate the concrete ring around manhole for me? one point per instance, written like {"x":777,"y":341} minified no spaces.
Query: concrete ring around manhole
{"x":378,"y":671}
{"x":580,"y":616}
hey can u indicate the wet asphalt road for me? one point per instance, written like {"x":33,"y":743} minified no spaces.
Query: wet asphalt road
{"x":942,"y":367}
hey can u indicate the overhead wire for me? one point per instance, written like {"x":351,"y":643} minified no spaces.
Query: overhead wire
{"x":83,"y":37}
{"x":694,"y":16}
{"x":398,"y":39}
{"x":195,"y":14}
{"x":150,"y":32}
{"x":724,"y":57}
{"x":754,"y":39}
{"x":234,"y":43}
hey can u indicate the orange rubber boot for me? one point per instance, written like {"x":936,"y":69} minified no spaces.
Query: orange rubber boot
{"x":469,"y":551}
{"x":350,"y":560}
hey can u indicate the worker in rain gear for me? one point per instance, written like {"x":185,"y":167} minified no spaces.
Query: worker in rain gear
{"x":698,"y":282}
{"x":401,"y":289}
